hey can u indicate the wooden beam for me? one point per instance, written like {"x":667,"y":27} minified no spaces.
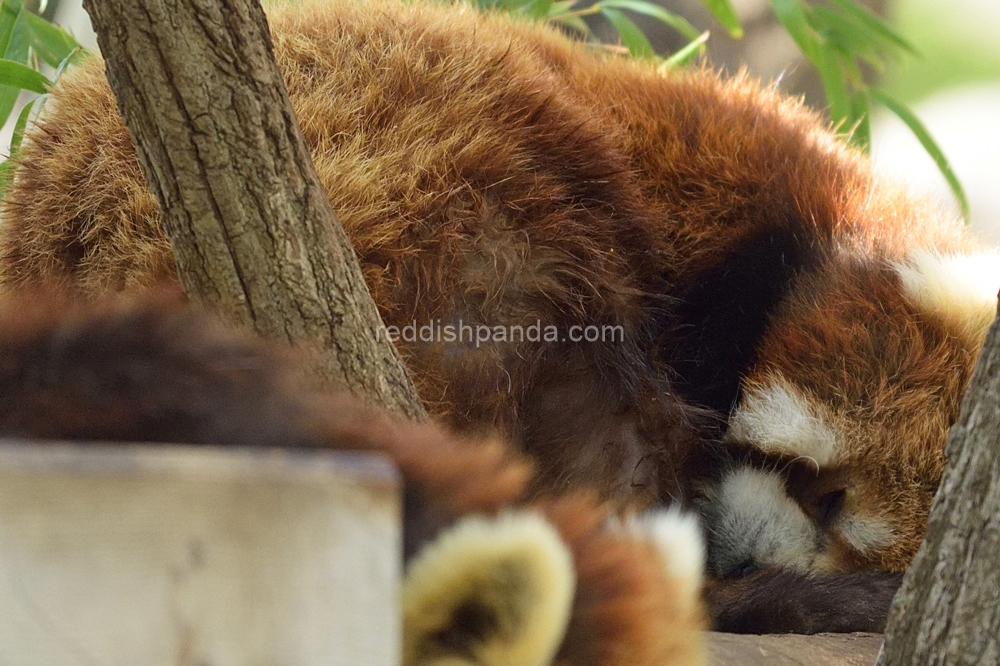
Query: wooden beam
{"x":793,"y":650}
{"x":157,"y":555}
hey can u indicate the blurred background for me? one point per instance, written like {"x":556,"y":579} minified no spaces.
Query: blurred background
{"x":954,"y":86}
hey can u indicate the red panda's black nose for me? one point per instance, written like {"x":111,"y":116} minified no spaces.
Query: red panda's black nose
{"x":744,"y":568}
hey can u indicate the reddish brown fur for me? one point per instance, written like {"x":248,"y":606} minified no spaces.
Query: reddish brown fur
{"x":150,"y":370}
{"x":893,"y":379}
{"x":439,"y":223}
{"x":491,"y":171}
{"x":626,"y":611}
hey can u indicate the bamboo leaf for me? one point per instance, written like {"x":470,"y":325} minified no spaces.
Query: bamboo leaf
{"x":572,"y":21}
{"x":9,"y":11}
{"x":724,"y":13}
{"x":6,"y":174}
{"x":833,"y":26}
{"x":560,"y":7}
{"x":52,"y":44}
{"x":21,"y":76}
{"x":684,"y":56}
{"x":929,"y":144}
{"x":18,"y":46}
{"x":19,"y":126}
{"x":8,"y":98}
{"x":7,"y":167}
{"x":676,"y":22}
{"x":792,"y":15}
{"x":835,"y":88}
{"x":861,"y":135}
{"x":875,"y":24}
{"x":632,"y":37}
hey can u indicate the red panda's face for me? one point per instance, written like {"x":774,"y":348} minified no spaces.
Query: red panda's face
{"x":836,"y":447}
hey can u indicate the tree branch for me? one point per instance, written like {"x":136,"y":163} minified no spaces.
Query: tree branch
{"x":948,"y":609}
{"x":252,"y":231}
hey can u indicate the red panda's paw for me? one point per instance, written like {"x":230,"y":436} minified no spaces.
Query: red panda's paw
{"x":489,"y":592}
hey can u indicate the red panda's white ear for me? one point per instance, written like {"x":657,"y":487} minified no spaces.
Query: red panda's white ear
{"x":489,"y":592}
{"x":961,"y":289}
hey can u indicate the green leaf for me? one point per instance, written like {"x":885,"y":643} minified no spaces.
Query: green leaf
{"x":792,"y":15}
{"x":560,"y":7}
{"x":631,"y":36}
{"x":22,"y":122}
{"x":835,"y":88}
{"x":676,"y":22}
{"x":8,"y":97}
{"x":875,"y":24}
{"x":684,"y":56}
{"x":52,"y":44}
{"x":795,"y":17}
{"x":6,"y":175}
{"x":861,"y":135}
{"x":74,"y":57}
{"x":833,"y":26}
{"x":9,"y":11}
{"x":7,"y":167}
{"x":571,"y":21}
{"x":927,"y":141}
{"x":21,"y":76}
{"x":18,"y":46}
{"x":724,"y":13}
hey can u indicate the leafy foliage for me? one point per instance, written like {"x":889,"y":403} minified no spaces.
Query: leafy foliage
{"x":570,"y":13}
{"x":840,"y":39}
{"x":27,"y":43}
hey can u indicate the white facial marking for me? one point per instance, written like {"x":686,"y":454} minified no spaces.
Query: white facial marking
{"x":678,"y":538}
{"x":776,"y":418}
{"x":865,"y":534}
{"x":752,"y":519}
{"x":959,"y":288}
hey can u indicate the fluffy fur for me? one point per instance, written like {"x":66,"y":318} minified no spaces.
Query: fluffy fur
{"x":781,"y":601}
{"x":148,"y":369}
{"x":643,"y":598}
{"x":488,"y":171}
{"x":488,"y":590}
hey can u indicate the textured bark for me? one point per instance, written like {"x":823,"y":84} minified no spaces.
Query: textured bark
{"x":252,"y":232}
{"x":948,"y":610}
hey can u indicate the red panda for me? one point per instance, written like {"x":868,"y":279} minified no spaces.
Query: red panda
{"x":497,"y":582}
{"x":791,"y":336}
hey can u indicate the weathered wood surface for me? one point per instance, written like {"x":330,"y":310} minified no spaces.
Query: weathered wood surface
{"x":791,"y":650}
{"x":156,"y":556}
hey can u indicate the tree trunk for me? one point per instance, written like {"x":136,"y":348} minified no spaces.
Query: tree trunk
{"x":252,"y":231}
{"x":948,"y":609}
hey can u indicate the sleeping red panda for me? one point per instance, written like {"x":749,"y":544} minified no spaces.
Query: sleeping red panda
{"x":491,"y":173}
{"x":497,"y":581}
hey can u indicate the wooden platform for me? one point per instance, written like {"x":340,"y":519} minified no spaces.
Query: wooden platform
{"x":157,"y":556}
{"x":151,"y":555}
{"x":792,"y":650}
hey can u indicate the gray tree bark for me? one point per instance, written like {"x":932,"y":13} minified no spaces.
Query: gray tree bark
{"x":948,"y":609}
{"x":252,"y":231}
